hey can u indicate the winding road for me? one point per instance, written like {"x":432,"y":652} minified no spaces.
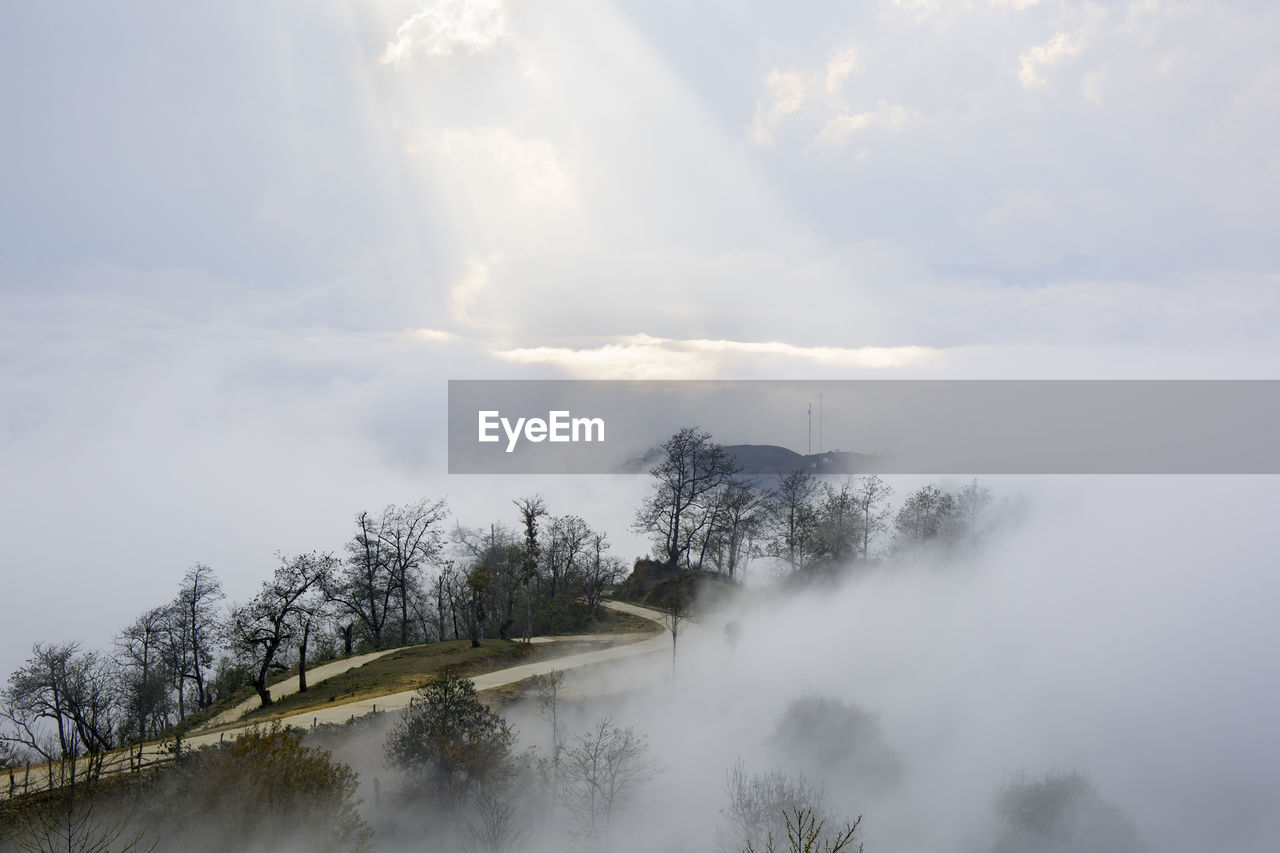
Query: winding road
{"x":628,"y":646}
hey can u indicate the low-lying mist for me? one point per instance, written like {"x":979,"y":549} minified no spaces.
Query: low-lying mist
{"x":1100,"y":676}
{"x":1117,"y":641}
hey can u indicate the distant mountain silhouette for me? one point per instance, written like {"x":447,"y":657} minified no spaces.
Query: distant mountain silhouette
{"x":758,"y":459}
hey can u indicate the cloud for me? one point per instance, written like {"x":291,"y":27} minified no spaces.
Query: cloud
{"x":815,"y":96}
{"x":446,"y":26}
{"x":885,"y":116}
{"x":647,"y":357}
{"x":1035,"y":60}
{"x":530,"y":169}
{"x":787,"y":91}
{"x":840,"y":68}
{"x":469,"y":291}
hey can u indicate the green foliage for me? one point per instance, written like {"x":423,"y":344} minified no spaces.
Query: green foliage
{"x":449,"y":744}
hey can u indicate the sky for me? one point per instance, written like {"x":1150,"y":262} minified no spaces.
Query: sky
{"x":244,"y":246}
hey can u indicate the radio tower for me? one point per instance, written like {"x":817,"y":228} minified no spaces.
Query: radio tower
{"x":808,"y":451}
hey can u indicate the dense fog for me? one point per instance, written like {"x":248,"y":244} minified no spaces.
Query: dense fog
{"x":1108,"y":652}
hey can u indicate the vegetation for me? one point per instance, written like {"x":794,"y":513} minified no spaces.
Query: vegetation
{"x":446,"y":602}
{"x":805,"y":834}
{"x":400,"y":671}
{"x":1061,"y":813}
{"x":759,"y":803}
{"x":601,"y":772}
{"x":449,"y":745}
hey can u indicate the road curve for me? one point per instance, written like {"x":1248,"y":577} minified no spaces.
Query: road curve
{"x":33,"y":778}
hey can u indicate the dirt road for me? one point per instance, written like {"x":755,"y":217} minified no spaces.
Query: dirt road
{"x":629,"y":646}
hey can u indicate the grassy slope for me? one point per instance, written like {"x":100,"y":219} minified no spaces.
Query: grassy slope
{"x":410,"y":668}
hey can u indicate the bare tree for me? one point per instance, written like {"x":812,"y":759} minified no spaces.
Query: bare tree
{"x":680,"y":508}
{"x":71,"y":824}
{"x":791,"y":519}
{"x":443,"y":589}
{"x":310,"y":611}
{"x":196,"y":609}
{"x":739,"y":519}
{"x":837,"y":524}
{"x":805,"y":835}
{"x":263,"y":626}
{"x":531,"y":509}
{"x":759,"y":803}
{"x":494,"y":825}
{"x":972,"y":519}
{"x":871,"y":497}
{"x":546,"y":689}
{"x":412,"y":538}
{"x":674,"y":610}
{"x":923,"y":516}
{"x":569,"y":538}
{"x":601,"y":774}
{"x":600,"y":571}
{"x":139,"y":654}
{"x":175,"y":649}
{"x":59,"y":706}
{"x":364,"y":589}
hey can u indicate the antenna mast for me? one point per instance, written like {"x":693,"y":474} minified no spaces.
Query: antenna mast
{"x":809,"y":448}
{"x":819,"y":423}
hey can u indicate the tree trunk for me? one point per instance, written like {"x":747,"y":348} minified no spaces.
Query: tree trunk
{"x":302,"y":658}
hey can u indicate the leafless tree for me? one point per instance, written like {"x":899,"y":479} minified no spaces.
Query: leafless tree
{"x":674,"y":610}
{"x":59,"y":707}
{"x":195,"y":608}
{"x":837,"y":524}
{"x":531,"y":509}
{"x":759,"y":803}
{"x":871,"y":497}
{"x":924,"y":517}
{"x":680,"y":507}
{"x":791,"y":519}
{"x":498,"y":559}
{"x":738,"y":520}
{"x":972,"y":518}
{"x":365,"y":588}
{"x":412,"y":538}
{"x":268,"y":622}
{"x":139,"y":654}
{"x":805,"y":835}
{"x":600,"y":571}
{"x":443,"y":593}
{"x":493,"y":825}
{"x":546,"y":689}
{"x":311,"y":610}
{"x":601,"y":773}
{"x":569,"y":538}
{"x":72,"y":824}
{"x":59,"y":703}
